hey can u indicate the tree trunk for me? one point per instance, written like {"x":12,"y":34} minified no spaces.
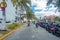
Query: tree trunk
{"x":21,"y":12}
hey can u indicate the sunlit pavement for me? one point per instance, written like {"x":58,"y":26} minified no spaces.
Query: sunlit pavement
{"x":32,"y":33}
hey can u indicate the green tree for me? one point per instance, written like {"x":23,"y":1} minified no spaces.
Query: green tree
{"x":30,"y":15}
{"x":22,"y":4}
{"x":56,"y":3}
{"x":57,"y":19}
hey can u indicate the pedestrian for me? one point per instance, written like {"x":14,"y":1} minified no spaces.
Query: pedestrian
{"x":28,"y":23}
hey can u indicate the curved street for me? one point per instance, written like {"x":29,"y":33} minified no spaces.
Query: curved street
{"x":32,"y":33}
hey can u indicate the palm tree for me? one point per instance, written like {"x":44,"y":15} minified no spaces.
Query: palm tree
{"x":30,"y":14}
{"x":56,"y":3}
{"x":22,"y":4}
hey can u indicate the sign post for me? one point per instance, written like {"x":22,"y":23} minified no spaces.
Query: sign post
{"x":3,"y":5}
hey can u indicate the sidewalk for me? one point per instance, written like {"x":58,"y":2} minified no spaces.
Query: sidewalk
{"x":3,"y":37}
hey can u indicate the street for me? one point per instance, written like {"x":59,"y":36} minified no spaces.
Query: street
{"x":39,"y":13}
{"x":32,"y":33}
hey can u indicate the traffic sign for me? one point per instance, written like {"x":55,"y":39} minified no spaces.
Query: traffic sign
{"x":3,"y":4}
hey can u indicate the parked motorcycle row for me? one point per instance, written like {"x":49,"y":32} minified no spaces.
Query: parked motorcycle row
{"x":51,"y":27}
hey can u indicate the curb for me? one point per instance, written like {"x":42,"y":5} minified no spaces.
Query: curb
{"x":6,"y":35}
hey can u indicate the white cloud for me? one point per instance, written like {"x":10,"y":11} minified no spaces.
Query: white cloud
{"x":41,"y":4}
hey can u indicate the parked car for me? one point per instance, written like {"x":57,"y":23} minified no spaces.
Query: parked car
{"x":37,"y":24}
{"x":48,"y":25}
{"x":0,"y":21}
{"x":41,"y":24}
{"x":57,"y":31}
{"x":51,"y":27}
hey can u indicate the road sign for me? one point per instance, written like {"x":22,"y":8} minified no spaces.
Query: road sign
{"x":3,"y":4}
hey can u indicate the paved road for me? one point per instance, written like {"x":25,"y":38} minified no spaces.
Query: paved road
{"x":31,"y":33}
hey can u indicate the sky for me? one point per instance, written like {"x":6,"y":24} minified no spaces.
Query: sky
{"x":38,"y":6}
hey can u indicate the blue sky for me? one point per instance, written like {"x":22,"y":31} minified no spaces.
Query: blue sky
{"x":40,"y":8}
